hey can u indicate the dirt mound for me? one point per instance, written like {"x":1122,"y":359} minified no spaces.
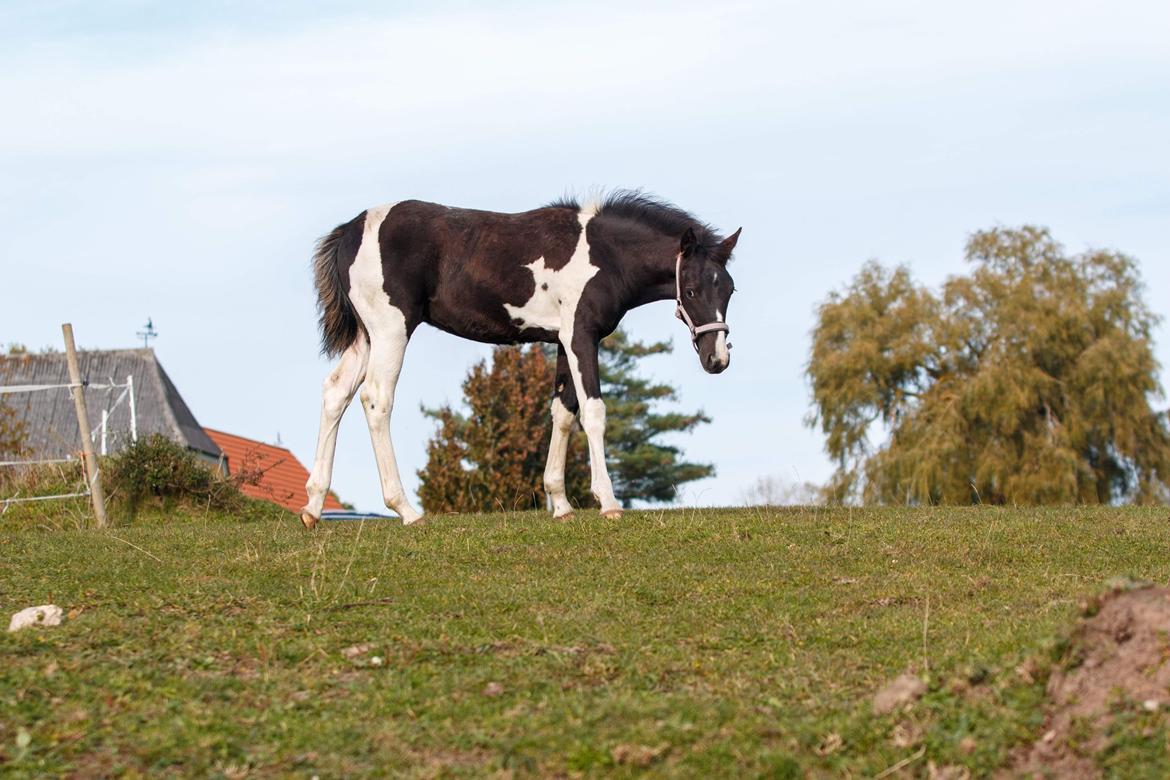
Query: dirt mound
{"x":1118,"y":660}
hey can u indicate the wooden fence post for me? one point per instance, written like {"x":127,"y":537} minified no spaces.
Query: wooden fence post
{"x":92,"y":472}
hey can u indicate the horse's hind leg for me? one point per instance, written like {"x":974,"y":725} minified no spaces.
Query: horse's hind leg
{"x":338,"y":390}
{"x":388,"y":338}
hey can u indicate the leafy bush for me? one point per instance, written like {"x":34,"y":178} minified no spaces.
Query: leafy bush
{"x":12,"y":432}
{"x":158,"y":468}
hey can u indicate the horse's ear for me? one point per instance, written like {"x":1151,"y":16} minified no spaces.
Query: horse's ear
{"x":723,"y":252}
{"x":688,"y":243}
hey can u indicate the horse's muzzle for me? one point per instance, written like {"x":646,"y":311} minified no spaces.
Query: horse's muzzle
{"x":713,"y":365}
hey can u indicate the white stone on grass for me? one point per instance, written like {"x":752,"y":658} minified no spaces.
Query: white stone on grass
{"x":47,"y":615}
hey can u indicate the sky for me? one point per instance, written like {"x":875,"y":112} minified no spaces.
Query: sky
{"x":178,"y":160}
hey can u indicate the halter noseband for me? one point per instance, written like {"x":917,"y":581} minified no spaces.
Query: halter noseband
{"x":681,"y":313}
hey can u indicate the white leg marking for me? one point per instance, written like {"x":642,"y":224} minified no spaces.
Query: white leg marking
{"x":558,"y":448}
{"x":592,"y":409}
{"x":386,"y":325}
{"x":336,"y":394}
{"x":378,"y":402}
{"x":593,"y":421}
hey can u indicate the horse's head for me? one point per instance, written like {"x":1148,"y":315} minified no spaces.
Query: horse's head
{"x":703,"y":290}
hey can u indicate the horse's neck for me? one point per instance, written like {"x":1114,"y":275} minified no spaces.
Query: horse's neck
{"x":654,"y":289}
{"x":649,"y":271}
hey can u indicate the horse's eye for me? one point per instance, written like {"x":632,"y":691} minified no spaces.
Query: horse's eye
{"x":690,"y":293}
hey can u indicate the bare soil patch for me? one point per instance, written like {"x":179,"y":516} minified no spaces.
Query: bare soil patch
{"x":1118,"y":660}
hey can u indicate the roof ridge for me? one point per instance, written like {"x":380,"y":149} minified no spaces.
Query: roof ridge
{"x":156,"y":368}
{"x":248,"y":438}
{"x":55,"y":355}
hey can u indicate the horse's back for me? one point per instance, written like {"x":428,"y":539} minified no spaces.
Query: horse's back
{"x":458,"y":267}
{"x":472,"y":237}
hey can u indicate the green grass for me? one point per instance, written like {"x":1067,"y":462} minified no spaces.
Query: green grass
{"x":685,"y":643}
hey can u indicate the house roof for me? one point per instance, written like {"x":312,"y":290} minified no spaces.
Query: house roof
{"x":49,"y":417}
{"x":281,"y":477}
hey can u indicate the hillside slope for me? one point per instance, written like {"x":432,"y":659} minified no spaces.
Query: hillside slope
{"x":682,"y":643}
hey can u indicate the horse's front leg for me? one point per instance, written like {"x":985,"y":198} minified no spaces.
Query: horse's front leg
{"x":582,"y":358}
{"x":564,"y":412}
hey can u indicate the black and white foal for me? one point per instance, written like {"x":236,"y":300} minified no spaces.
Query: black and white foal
{"x":563,"y":274}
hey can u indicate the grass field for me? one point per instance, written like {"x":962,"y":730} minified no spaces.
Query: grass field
{"x":682,"y":643}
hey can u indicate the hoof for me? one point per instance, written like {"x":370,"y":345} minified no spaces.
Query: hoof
{"x":417,"y":522}
{"x":309,"y":521}
{"x":566,"y":517}
{"x":612,"y":514}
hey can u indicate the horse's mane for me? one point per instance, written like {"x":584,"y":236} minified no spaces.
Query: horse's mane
{"x":649,"y":210}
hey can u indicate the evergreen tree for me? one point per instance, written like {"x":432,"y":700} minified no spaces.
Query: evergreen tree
{"x":1028,"y":381}
{"x":492,"y":457}
{"x":640,"y":465}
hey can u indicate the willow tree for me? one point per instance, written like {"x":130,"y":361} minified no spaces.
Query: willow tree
{"x":492,"y":455}
{"x":1030,"y":380}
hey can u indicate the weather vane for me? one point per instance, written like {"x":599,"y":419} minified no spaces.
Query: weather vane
{"x":148,"y":332}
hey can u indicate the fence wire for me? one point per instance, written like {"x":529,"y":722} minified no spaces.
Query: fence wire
{"x":127,"y":390}
{"x":6,"y":389}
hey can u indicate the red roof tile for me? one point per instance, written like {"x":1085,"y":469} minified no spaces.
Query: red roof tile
{"x":282,"y":477}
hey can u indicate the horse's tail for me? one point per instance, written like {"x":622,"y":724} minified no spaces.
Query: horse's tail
{"x":334,"y":254}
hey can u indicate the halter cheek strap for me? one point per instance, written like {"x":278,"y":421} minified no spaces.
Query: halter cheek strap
{"x":681,"y":313}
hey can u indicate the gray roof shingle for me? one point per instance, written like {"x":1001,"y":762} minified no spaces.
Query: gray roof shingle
{"x":51,"y":423}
